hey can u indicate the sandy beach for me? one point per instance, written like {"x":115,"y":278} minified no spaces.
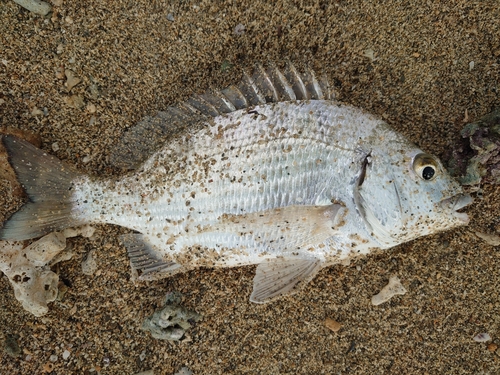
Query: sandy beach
{"x":425,"y":68}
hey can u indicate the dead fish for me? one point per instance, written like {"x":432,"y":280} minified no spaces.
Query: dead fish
{"x":276,"y":173}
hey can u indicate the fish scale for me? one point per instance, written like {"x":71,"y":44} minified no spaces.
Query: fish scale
{"x":249,"y":175}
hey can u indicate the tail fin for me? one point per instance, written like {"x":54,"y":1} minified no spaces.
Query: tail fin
{"x":48,"y":183}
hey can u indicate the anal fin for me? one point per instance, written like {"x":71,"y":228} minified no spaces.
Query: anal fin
{"x":144,"y":258}
{"x":282,"y":276}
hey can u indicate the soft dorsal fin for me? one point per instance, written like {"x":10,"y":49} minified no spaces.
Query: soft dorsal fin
{"x":263,"y":86}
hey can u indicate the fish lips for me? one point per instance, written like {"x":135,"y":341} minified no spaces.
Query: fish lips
{"x":456,"y":203}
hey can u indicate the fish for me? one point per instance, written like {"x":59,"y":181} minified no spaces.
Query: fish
{"x":273,"y":171}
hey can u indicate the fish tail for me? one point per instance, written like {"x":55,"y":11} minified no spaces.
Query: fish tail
{"x":48,"y":183}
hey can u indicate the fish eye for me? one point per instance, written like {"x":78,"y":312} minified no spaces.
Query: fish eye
{"x":425,"y":166}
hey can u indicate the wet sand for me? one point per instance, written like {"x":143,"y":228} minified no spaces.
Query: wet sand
{"x":426,"y":69}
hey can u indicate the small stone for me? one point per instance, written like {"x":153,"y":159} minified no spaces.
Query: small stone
{"x":35,"y":6}
{"x":94,"y":91}
{"x":333,"y":325}
{"x":142,"y":356}
{"x":482,"y":337}
{"x":170,"y":17}
{"x":89,"y":265}
{"x":55,"y":148}
{"x":471,"y":65}
{"x":48,"y":367}
{"x":68,"y":20}
{"x":416,"y":54}
{"x":492,"y":347}
{"x":369,"y":53}
{"x":239,"y":29}
{"x":490,"y":239}
{"x":62,"y":289}
{"x":53,"y":358}
{"x":60,"y":70}
{"x":91,"y":108}
{"x":71,"y":80}
{"x":74,"y":101}
{"x":66,"y":354}
{"x":11,"y":347}
{"x":57,"y":3}
{"x":36,"y":112}
{"x":394,"y":287}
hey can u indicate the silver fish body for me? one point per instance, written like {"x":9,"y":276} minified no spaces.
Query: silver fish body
{"x":292,"y":186}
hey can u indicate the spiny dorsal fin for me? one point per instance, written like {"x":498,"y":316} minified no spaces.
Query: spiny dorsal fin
{"x":263,"y":86}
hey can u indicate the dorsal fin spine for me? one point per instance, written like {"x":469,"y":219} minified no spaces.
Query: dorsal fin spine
{"x":273,"y":85}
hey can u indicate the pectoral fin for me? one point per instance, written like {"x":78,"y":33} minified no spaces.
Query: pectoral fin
{"x":146,"y":260}
{"x":282,"y":276}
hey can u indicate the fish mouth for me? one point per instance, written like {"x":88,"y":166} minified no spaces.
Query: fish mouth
{"x":456,"y":203}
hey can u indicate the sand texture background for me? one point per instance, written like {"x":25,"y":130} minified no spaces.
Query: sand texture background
{"x":426,"y":68}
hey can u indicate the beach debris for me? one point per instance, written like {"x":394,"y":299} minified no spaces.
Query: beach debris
{"x":333,"y":325}
{"x":11,"y":347}
{"x":74,"y":101}
{"x":482,"y":337}
{"x":394,"y":287}
{"x":172,"y":321}
{"x":492,"y":347}
{"x":89,"y":265}
{"x":71,"y":79}
{"x":239,"y":29}
{"x":475,"y":159}
{"x":490,"y":239}
{"x":28,"y":267}
{"x":35,"y":6}
{"x":369,"y":53}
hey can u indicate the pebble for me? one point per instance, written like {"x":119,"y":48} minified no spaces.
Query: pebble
{"x":66,"y":354}
{"x":333,"y":325}
{"x":369,"y":53}
{"x":11,"y":347}
{"x":492,"y":347}
{"x":482,"y":337}
{"x":36,"y":112}
{"x":48,"y":367}
{"x":490,"y":239}
{"x":91,"y":108}
{"x":170,"y":17}
{"x":71,"y":79}
{"x":46,"y":248}
{"x":55,"y":147}
{"x":239,"y":29}
{"x":53,"y":358}
{"x":394,"y":287}
{"x":74,"y":101}
{"x":35,"y":6}
{"x":89,"y":265}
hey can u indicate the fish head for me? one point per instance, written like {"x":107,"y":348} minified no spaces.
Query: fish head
{"x":403,"y":193}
